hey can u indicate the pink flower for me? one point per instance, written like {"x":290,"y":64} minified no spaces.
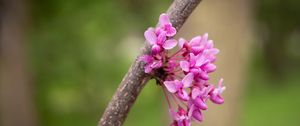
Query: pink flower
{"x":215,"y":94}
{"x":194,"y":65}
{"x":180,"y":117}
{"x":193,"y":46}
{"x":197,"y":45}
{"x":195,"y":113}
{"x":166,"y":25}
{"x":159,"y":41}
{"x":178,"y":87}
{"x":185,"y":73}
{"x":151,"y":63}
{"x":199,"y":97}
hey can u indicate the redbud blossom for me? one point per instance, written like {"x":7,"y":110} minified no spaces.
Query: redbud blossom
{"x":184,"y":75}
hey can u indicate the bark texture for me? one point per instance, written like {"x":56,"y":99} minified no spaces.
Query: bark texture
{"x":135,"y":79}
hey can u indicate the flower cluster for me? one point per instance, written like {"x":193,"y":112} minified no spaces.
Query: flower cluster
{"x":183,"y":74}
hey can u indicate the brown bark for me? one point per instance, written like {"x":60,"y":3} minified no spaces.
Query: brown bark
{"x":135,"y":79}
{"x":16,"y":103}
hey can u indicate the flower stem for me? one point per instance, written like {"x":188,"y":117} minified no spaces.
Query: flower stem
{"x":176,"y":53}
{"x":166,"y":96}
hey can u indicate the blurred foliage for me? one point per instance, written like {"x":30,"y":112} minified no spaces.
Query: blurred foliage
{"x":76,"y":60}
{"x":279,"y":27}
{"x":270,"y":101}
{"x":273,"y":84}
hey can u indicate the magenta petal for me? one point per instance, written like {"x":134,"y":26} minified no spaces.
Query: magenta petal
{"x":185,"y":66}
{"x":181,"y":111}
{"x":171,"y":31}
{"x":178,"y":84}
{"x":187,"y":122}
{"x":220,"y":82}
{"x":156,"y":64}
{"x":156,"y":49}
{"x":209,"y":44}
{"x":208,"y":89}
{"x":195,"y":41}
{"x":161,"y":38}
{"x":210,"y":67}
{"x":187,"y":80}
{"x":201,"y":60}
{"x":220,"y":88}
{"x":169,"y":44}
{"x":146,"y":58}
{"x":204,"y":39}
{"x":181,"y":42}
{"x":164,"y":19}
{"x":148,"y":68}
{"x":204,"y":75}
{"x":196,"y":92}
{"x":150,"y":36}
{"x":180,"y":123}
{"x":183,"y":95}
{"x":194,"y":59}
{"x":159,"y":30}
{"x":213,"y":51}
{"x":170,"y":86}
{"x":172,"y":64}
{"x":197,"y":115}
{"x":200,"y":103}
{"x":197,"y":49}
{"x":191,"y":110}
{"x":217,"y":99}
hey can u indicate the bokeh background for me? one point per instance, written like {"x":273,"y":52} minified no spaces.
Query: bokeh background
{"x":62,"y":60}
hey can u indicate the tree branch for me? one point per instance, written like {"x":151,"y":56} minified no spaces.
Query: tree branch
{"x":135,"y":79}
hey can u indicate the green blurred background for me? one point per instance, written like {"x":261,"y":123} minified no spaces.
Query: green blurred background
{"x":72,"y":54}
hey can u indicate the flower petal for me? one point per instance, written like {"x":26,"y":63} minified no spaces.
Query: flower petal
{"x":204,"y":39}
{"x":156,"y":64}
{"x":209,"y":67}
{"x":217,"y":99}
{"x":161,"y":38}
{"x":197,"y":49}
{"x":183,"y":95}
{"x":178,"y":84}
{"x":171,"y":31}
{"x":156,"y":49}
{"x":204,"y":75}
{"x":212,"y":51}
{"x":169,"y":44}
{"x":148,"y":68}
{"x":195,"y":41}
{"x":197,"y":115}
{"x":220,"y":87}
{"x":150,"y":36}
{"x":187,"y":122}
{"x":201,"y":60}
{"x":191,"y":110}
{"x":146,"y":58}
{"x":200,"y":103}
{"x":196,"y":92}
{"x":209,"y":44}
{"x":181,"y":42}
{"x":164,"y":19}
{"x":185,"y":66}
{"x":170,"y":86}
{"x":187,"y":80}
